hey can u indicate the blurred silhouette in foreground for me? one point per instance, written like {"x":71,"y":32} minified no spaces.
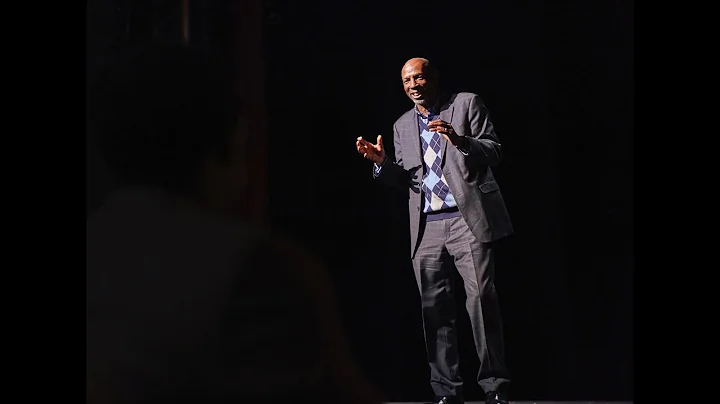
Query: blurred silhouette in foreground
{"x":187,"y":302}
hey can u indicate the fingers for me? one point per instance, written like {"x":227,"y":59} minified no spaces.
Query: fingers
{"x":441,"y":127}
{"x":364,"y":150}
{"x":439,"y":123}
{"x":362,"y":145}
{"x":369,"y":150}
{"x":363,"y":142}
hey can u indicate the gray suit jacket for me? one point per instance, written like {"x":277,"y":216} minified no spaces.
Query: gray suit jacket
{"x":469,"y":177}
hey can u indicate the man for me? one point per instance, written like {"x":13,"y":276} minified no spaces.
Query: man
{"x":187,"y":302}
{"x":444,"y":150}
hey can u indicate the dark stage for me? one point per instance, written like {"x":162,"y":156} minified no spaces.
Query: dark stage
{"x":528,"y":402}
{"x":557,"y":78}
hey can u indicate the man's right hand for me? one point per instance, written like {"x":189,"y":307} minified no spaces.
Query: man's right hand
{"x":372,"y":152}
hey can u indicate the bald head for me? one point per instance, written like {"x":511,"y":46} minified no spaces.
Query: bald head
{"x":419,"y":63}
{"x":419,"y":79}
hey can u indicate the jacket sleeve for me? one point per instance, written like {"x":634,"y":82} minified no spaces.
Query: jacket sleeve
{"x":485,"y":148}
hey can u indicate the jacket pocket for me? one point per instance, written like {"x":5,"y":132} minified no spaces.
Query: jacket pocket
{"x":488,"y":187}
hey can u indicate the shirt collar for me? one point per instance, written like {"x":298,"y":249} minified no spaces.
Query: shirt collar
{"x":432,"y":111}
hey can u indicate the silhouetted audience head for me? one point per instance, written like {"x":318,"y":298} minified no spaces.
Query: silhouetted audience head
{"x":185,"y":305}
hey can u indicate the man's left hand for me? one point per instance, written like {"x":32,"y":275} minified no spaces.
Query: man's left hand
{"x":446,"y":129}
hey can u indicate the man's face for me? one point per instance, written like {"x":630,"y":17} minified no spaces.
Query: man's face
{"x":419,"y":83}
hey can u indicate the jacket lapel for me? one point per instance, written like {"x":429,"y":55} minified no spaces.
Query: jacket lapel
{"x":414,"y":129}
